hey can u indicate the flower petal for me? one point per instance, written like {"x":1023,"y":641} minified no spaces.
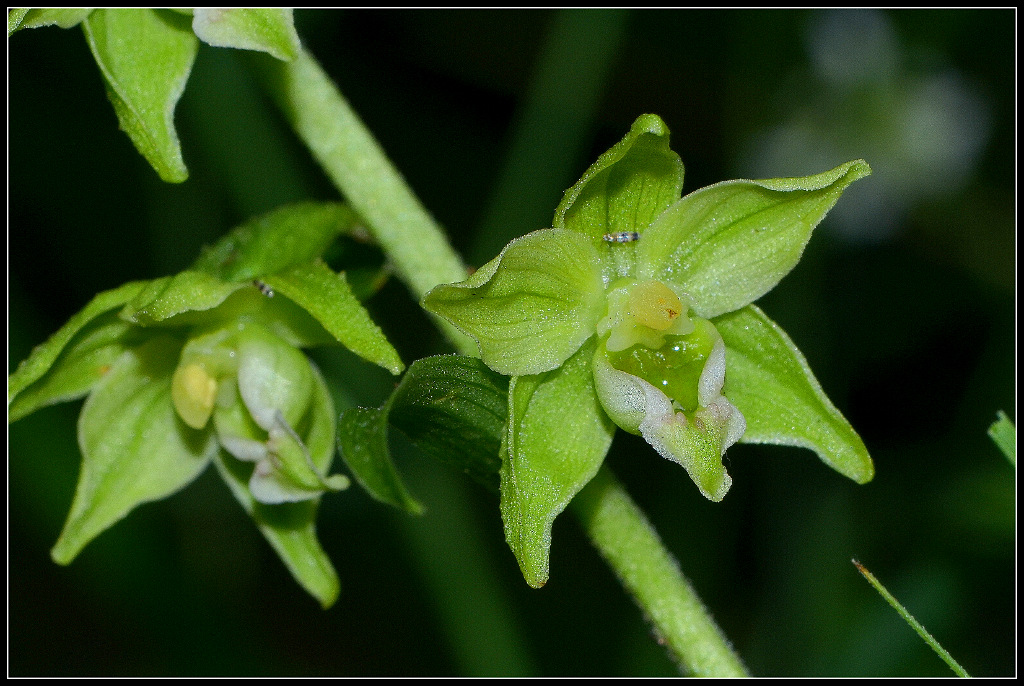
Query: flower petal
{"x":287,"y":474}
{"x":533,"y":306}
{"x":728,"y":244}
{"x":273,"y":377}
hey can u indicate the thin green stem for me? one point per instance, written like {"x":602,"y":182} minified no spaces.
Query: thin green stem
{"x":909,"y":619}
{"x":632,"y":548}
{"x":357,"y":165}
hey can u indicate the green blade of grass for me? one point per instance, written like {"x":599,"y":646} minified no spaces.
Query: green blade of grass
{"x":1004,"y":435}
{"x":909,"y":619}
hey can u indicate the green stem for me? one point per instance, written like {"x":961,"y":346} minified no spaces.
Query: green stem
{"x":632,"y":548}
{"x":357,"y":165}
{"x":423,"y":258}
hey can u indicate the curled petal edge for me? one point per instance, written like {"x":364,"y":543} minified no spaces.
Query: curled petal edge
{"x":696,"y":442}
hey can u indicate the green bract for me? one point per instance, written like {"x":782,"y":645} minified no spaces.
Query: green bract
{"x":635,"y":309}
{"x":146,"y":55}
{"x":205,"y":366}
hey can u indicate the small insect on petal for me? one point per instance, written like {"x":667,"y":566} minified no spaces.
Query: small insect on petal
{"x":622,"y":237}
{"x":264,"y":288}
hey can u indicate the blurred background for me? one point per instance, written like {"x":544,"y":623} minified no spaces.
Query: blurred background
{"x":904,"y":304}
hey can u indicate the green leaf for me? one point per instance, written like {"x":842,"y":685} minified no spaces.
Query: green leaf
{"x":269,"y":30}
{"x":728,"y":244}
{"x":363,"y":442}
{"x":26,"y":18}
{"x":530,"y":308}
{"x":627,"y":187}
{"x":454,"y":409}
{"x":1004,"y":435}
{"x":86,"y":347}
{"x":135,"y":449}
{"x":145,"y":56}
{"x":451,"y":407}
{"x":170,"y":296}
{"x":768,"y":379}
{"x":284,"y":237}
{"x":556,"y":439}
{"x":326,"y":296}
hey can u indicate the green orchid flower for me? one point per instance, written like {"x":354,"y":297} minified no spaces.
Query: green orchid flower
{"x":204,"y":366}
{"x":635,"y":310}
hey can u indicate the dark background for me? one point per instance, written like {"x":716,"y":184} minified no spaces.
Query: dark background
{"x":904,"y":305}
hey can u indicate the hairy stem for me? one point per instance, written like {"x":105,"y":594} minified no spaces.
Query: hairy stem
{"x":631,"y":546}
{"x":357,"y":165}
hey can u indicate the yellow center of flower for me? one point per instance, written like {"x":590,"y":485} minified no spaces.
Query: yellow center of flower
{"x":654,"y":305}
{"x":193,"y":392}
{"x":643,"y":313}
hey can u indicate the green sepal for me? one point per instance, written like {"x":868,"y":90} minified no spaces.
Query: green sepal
{"x":769,"y":380}
{"x":284,"y":237}
{"x":290,"y":528}
{"x":162,"y":301}
{"x":145,"y":56}
{"x":270,"y":30}
{"x":363,"y":444}
{"x":135,"y":448}
{"x":531,"y":307}
{"x":36,"y":17}
{"x":627,"y":187}
{"x":73,"y":359}
{"x":79,"y":367}
{"x":555,"y":441}
{"x":728,"y":244}
{"x":326,"y":296}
